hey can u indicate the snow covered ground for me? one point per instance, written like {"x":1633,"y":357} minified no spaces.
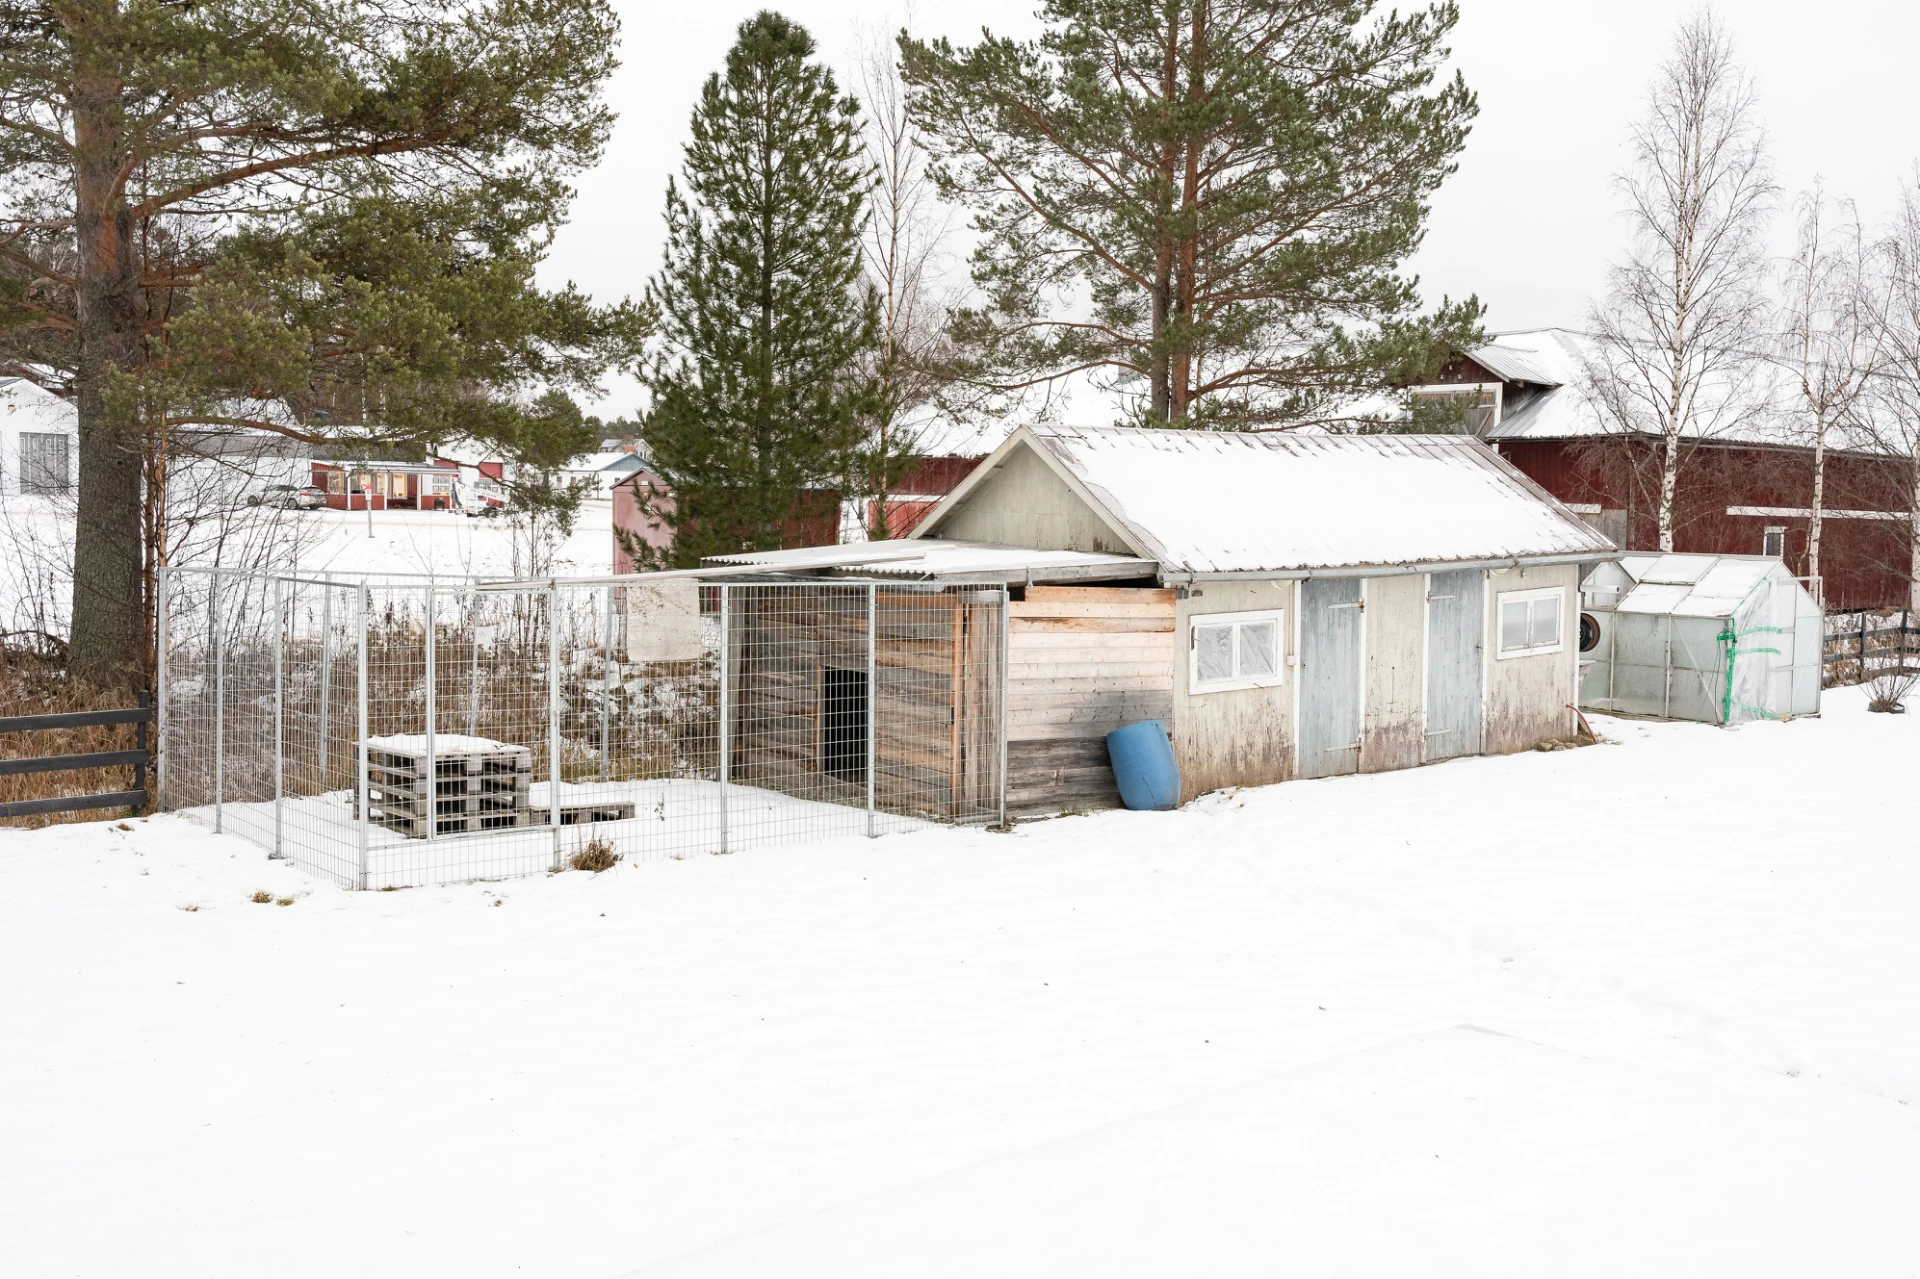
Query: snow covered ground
{"x":1644,"y":1009}
{"x":445,"y":543}
{"x":36,"y":549}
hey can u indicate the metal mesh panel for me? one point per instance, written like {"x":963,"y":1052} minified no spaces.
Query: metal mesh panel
{"x":387,"y":731}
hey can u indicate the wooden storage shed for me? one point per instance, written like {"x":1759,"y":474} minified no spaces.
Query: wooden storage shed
{"x":1290,"y":605}
{"x":1340,"y":603}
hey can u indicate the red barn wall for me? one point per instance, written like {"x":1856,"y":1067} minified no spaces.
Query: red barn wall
{"x":1863,"y":563}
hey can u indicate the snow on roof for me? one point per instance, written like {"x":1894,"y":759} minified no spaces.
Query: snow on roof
{"x":1692,"y":585}
{"x":1515,"y":366}
{"x":621,"y":462}
{"x":1220,"y":502}
{"x":930,"y":557}
{"x":1551,"y":403}
{"x":28,"y":406}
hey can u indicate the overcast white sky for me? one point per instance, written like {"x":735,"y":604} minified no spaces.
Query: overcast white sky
{"x":1529,"y":222}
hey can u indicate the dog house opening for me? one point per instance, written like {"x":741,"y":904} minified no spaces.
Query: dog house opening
{"x":843,"y":724}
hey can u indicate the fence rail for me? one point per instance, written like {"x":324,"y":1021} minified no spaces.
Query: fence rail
{"x":136,"y":759}
{"x":389,"y":731}
{"x":1860,"y":646}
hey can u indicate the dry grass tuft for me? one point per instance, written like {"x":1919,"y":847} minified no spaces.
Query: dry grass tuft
{"x":597,"y":855}
{"x":261,"y":898}
{"x":31,"y":686}
{"x":1887,"y":693}
{"x":283,"y":901}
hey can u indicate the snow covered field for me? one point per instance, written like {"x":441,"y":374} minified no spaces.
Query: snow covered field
{"x":1643,"y":1009}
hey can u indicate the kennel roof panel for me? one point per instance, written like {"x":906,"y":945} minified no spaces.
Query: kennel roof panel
{"x":937,"y":560}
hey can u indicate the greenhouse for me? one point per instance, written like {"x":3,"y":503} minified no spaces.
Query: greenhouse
{"x":1722,"y":639}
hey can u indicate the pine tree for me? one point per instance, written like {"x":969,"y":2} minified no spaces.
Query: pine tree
{"x":135,"y":135}
{"x":1201,"y":203}
{"x":758,"y":397}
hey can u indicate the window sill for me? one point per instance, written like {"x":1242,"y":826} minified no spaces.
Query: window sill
{"x":1234,"y":685}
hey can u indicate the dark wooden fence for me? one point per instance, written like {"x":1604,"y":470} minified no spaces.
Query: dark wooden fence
{"x":135,"y":759}
{"x":1862,"y":645}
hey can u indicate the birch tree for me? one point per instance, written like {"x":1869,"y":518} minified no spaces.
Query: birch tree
{"x":902,"y":249}
{"x":1892,"y":405}
{"x":1829,"y":340}
{"x":1679,"y":337}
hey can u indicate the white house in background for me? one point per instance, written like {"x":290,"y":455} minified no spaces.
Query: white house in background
{"x":39,"y":440}
{"x":604,"y":470}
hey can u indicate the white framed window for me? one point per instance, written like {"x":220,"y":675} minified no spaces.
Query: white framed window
{"x":1236,"y":650}
{"x":1532,"y":621}
{"x":1773,"y":541}
{"x":45,"y":466}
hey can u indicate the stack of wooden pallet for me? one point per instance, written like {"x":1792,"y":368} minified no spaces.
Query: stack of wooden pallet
{"x":476,"y":784}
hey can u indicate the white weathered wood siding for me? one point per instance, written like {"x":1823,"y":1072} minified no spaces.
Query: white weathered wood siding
{"x":1024,"y":503}
{"x":1082,"y":661}
{"x":1242,"y":736}
{"x":1528,"y":699}
{"x":1394,"y":709}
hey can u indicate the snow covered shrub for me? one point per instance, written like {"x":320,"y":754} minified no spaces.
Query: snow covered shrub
{"x":1889,"y":689}
{"x":596,"y":855}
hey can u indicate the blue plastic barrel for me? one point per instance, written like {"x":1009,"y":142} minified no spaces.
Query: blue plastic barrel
{"x":1143,"y":765}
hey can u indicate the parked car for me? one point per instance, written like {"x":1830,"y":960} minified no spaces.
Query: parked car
{"x":290,"y":497}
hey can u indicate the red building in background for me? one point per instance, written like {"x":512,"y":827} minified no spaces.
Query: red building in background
{"x":1746,"y":495}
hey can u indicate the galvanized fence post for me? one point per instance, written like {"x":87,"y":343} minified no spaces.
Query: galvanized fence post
{"x":873,"y":703}
{"x":1006,"y":671}
{"x":473,"y":628}
{"x":553,"y":716}
{"x":1863,"y":646}
{"x":433,"y":772}
{"x":161,"y":610}
{"x":725,"y":745}
{"x":326,"y":682}
{"x":279,"y":719}
{"x":606,"y":691}
{"x":360,"y":749}
{"x":219,"y":710}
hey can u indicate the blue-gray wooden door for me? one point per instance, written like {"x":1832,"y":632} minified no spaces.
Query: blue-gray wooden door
{"x":1329,"y":676}
{"x":1456,"y":661}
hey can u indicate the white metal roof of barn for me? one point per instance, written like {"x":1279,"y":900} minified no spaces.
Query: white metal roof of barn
{"x":1202,"y":503}
{"x":947,"y":561}
{"x":1692,"y":585}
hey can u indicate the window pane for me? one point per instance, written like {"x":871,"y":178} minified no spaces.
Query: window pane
{"x":1213,"y":652}
{"x":1513,"y":625}
{"x":1544,"y":629}
{"x":43,"y":462}
{"x":1259,"y":647}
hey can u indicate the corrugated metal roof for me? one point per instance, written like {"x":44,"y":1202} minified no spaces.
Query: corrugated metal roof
{"x":1693,"y":585}
{"x":1219,"y":502}
{"x":932,"y":558}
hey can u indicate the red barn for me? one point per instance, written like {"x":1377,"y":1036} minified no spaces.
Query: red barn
{"x":1744,"y":494}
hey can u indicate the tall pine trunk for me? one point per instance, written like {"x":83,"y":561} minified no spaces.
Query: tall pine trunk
{"x":108,"y":625}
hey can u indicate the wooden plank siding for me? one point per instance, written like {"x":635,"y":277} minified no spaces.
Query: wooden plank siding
{"x":933,"y":707}
{"x":1082,"y":661}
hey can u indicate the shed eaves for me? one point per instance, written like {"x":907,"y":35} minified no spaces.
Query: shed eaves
{"x":1202,"y":502}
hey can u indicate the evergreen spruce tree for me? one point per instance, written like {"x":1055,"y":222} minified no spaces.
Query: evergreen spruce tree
{"x":758,"y":394}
